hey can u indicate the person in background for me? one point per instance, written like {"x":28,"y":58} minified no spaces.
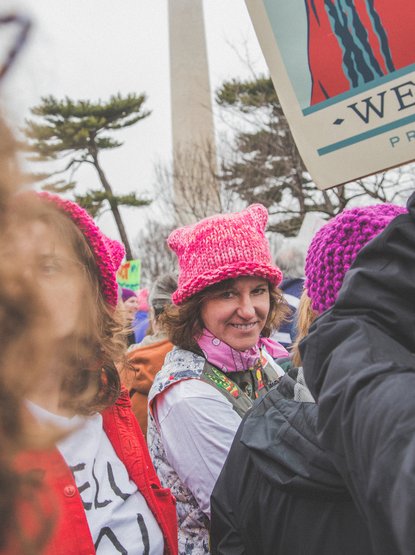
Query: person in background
{"x":145,"y":359}
{"x":130,"y":304}
{"x":141,"y":320}
{"x":290,"y":258}
{"x":99,"y":478}
{"x":226,"y":304}
{"x":280,"y":491}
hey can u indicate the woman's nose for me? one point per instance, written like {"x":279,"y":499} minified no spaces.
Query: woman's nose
{"x":246,"y":308}
{"x":27,"y":271}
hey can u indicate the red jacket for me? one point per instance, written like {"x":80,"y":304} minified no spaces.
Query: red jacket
{"x":61,"y":500}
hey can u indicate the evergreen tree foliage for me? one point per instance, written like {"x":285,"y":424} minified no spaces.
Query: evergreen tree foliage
{"x":152,"y":249}
{"x":74,"y":133}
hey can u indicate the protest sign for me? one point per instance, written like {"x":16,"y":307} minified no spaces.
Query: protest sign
{"x":129,"y":274}
{"x":344,"y":71}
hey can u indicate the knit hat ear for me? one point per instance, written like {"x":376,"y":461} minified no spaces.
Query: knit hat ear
{"x":118,"y":252}
{"x":259,"y":215}
{"x":177,"y":240}
{"x":221,"y":247}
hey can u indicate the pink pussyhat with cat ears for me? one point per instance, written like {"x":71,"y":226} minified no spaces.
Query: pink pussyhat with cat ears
{"x":222,"y":247}
{"x":108,"y":253}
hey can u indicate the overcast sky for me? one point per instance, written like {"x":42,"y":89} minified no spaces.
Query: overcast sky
{"x":91,"y":49}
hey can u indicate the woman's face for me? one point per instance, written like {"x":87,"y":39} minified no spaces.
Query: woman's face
{"x":58,"y":275}
{"x":131,"y":307}
{"x":237,"y":314}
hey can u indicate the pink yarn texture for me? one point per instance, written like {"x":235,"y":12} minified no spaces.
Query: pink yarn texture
{"x":108,"y":252}
{"x":335,"y":247}
{"x":142,"y":296}
{"x":222,"y":247}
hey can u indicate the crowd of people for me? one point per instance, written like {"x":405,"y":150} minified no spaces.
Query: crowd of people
{"x":173,"y":420}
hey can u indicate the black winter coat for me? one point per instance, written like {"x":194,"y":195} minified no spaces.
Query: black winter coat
{"x":359,"y":363}
{"x":278,"y":492}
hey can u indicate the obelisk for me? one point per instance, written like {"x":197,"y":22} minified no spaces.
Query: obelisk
{"x":195,"y":187}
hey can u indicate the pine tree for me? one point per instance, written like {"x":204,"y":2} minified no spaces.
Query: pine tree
{"x":76,"y":132}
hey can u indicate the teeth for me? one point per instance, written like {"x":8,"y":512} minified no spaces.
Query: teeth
{"x":243,"y":326}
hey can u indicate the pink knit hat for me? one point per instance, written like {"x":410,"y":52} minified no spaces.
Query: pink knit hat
{"x":108,"y":252}
{"x":142,"y":296}
{"x":222,"y":247}
{"x":335,"y":246}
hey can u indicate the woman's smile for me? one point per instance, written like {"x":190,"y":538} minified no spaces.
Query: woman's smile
{"x":245,"y":327}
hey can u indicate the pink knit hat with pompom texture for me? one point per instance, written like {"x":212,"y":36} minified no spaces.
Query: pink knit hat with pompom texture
{"x":335,"y":246}
{"x":222,"y":247}
{"x":108,"y":252}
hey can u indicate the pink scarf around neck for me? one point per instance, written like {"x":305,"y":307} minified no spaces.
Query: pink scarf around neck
{"x":227,"y":359}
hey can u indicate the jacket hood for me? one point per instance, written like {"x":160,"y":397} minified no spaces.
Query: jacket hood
{"x":281,"y":436}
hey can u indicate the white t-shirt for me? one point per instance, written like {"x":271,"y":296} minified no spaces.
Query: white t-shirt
{"x":118,"y":515}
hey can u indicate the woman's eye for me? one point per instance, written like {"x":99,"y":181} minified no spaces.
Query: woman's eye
{"x":259,"y":291}
{"x":226,"y":294}
{"x":49,"y":267}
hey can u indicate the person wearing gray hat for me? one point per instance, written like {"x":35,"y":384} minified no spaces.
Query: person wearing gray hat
{"x":145,"y":359}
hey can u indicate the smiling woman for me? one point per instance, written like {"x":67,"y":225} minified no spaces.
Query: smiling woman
{"x":226,"y":305}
